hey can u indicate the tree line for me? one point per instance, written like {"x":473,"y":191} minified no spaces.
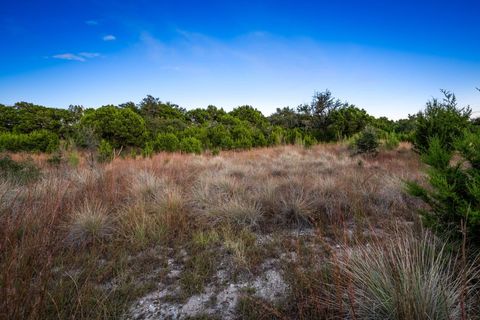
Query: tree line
{"x":153,"y":125}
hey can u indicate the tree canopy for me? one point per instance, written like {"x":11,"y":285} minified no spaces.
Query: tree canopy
{"x":153,"y":123}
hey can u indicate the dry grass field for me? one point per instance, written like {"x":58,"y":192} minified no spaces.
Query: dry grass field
{"x":276,"y":233}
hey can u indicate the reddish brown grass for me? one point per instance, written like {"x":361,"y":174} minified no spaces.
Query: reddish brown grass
{"x":164,"y":200}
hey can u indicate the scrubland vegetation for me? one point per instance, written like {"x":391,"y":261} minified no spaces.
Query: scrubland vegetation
{"x":153,"y":126}
{"x":150,"y":212}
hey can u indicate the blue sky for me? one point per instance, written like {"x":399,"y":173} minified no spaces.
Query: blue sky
{"x":388,"y":57}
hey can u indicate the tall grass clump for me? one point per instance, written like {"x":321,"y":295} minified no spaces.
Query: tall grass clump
{"x":90,"y":225}
{"x":222,"y":199}
{"x":408,"y":277}
{"x":296,"y":204}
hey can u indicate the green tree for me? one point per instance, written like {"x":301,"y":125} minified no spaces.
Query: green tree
{"x":251,"y":115}
{"x":454,"y":193}
{"x":285,"y":118}
{"x":8,"y":118}
{"x":367,"y":141}
{"x":442,"y":119}
{"x":158,"y":115}
{"x":345,"y":121}
{"x":202,"y":116}
{"x":120,"y":127}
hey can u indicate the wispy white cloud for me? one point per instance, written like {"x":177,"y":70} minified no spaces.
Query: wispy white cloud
{"x":89,"y":55}
{"x":91,"y":22}
{"x":109,"y":37}
{"x":69,"y":56}
{"x":82,"y":56}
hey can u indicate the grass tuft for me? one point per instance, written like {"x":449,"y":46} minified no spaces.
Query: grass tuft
{"x":90,"y":225}
{"x":407,"y":277}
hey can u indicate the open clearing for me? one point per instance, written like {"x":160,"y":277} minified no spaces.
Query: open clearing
{"x":266,"y":233}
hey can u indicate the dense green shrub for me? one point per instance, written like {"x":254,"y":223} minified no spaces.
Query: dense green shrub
{"x":44,"y":141}
{"x":85,"y":137}
{"x":147,"y":151}
{"x":391,"y":141}
{"x":294,"y":136}
{"x":220,"y":137}
{"x":242,"y":136}
{"x":191,"y":145}
{"x":308,"y":141}
{"x":442,"y":119}
{"x":105,"y":151}
{"x":258,"y":139}
{"x":18,"y":172}
{"x":40,"y":141}
{"x":243,"y":143}
{"x":166,"y":142}
{"x":367,"y":141}
{"x":277,"y":136}
{"x":454,"y":192}
{"x":120,"y":127}
{"x":26,"y":117}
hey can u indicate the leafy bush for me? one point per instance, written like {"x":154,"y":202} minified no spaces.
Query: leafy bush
{"x":243,"y":143}
{"x":367,"y":141}
{"x":242,"y":136}
{"x":391,"y":141}
{"x":19,"y":172}
{"x":441,"y":119}
{"x":294,"y":136}
{"x":454,"y":192}
{"x":166,"y":142}
{"x":219,"y":137}
{"x":105,"y":151}
{"x":40,"y":141}
{"x":191,"y":145}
